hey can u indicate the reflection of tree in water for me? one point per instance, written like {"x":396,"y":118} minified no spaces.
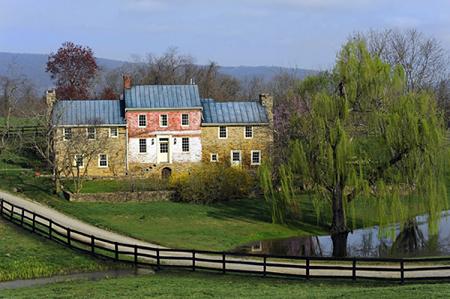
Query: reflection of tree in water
{"x":412,"y":240}
{"x":409,"y":240}
{"x":307,"y":246}
{"x":303,"y":246}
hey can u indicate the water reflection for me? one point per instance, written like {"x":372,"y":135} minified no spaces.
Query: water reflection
{"x":412,"y":239}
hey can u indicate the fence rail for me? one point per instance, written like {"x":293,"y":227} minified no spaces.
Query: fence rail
{"x":399,"y":269}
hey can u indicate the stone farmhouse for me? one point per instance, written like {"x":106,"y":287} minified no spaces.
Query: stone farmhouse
{"x":159,"y":129}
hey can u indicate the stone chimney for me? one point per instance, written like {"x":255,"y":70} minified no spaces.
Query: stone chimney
{"x":126,"y":81}
{"x":50,"y":98}
{"x":266,"y":101}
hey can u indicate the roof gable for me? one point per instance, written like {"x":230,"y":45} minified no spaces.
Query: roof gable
{"x":162,"y":97}
{"x":242,"y":112}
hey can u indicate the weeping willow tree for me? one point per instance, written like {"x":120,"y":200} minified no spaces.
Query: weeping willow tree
{"x":365,"y":136}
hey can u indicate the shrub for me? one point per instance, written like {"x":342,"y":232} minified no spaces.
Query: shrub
{"x":212,"y":183}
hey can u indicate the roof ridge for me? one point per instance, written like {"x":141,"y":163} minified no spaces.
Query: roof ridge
{"x":142,"y":85}
{"x":84,"y":100}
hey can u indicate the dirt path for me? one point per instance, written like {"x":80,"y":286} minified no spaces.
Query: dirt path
{"x":69,"y":221}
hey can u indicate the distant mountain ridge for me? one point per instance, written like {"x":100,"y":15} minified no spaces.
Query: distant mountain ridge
{"x":33,"y":67}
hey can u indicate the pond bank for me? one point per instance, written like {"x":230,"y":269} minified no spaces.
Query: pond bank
{"x":411,"y":239}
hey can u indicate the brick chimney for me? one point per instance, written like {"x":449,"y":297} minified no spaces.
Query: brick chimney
{"x":126,"y":81}
{"x":266,"y":101}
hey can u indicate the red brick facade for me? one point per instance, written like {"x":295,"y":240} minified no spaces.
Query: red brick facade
{"x":153,"y":122}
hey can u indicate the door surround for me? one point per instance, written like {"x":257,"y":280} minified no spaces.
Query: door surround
{"x":162,"y":157}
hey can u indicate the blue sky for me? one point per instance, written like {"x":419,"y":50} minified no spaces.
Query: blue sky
{"x":296,"y":33}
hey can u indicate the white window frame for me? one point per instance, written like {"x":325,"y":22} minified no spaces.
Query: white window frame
{"x":240,"y":157}
{"x":139,"y":146}
{"x":117,"y":132}
{"x":87,"y":133}
{"x":76,"y":160}
{"x":251,"y":157}
{"x":245,"y":132}
{"x":161,"y":120}
{"x":188,"y":120}
{"x":139,"y":120}
{"x":99,"y":159}
{"x":64,"y":133}
{"x":226,"y":132}
{"x":188,"y":144}
{"x":211,"y":157}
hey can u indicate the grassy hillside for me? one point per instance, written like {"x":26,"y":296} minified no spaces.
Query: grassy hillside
{"x":23,"y":256}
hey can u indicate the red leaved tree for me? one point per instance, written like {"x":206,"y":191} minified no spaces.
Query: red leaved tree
{"x":73,"y":68}
{"x":109,"y":94}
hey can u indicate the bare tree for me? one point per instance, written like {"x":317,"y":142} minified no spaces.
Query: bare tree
{"x":78,"y":150}
{"x":174,"y":68}
{"x":17,"y":98}
{"x":251,"y":87}
{"x":423,"y":58}
{"x":283,"y":85}
{"x":44,"y":144}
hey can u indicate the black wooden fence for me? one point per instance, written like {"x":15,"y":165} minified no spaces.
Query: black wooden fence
{"x":400,"y":269}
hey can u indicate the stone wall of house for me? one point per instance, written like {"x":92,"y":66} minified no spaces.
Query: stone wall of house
{"x":113,"y":147}
{"x":211,"y":143}
{"x":152,"y":169}
{"x":144,"y":196}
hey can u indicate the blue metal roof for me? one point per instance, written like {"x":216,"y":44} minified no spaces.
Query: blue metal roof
{"x":248,"y":112}
{"x":88,"y":112}
{"x":162,"y":97}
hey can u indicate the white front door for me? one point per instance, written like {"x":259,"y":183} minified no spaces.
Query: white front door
{"x":163,"y":150}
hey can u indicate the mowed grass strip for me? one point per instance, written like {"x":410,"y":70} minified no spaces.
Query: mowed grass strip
{"x":24,"y":256}
{"x":167,"y":284}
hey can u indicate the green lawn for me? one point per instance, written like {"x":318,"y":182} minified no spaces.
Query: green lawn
{"x":20,"y":121}
{"x":216,"y":226}
{"x":118,"y":185}
{"x":23,"y":255}
{"x":168,"y":284}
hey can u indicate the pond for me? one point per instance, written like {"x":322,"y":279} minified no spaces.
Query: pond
{"x":413,"y":240}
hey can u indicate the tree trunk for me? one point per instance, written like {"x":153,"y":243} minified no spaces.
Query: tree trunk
{"x":339,"y":223}
{"x":56,"y":180}
{"x":339,"y":230}
{"x":339,"y":244}
{"x":57,"y":184}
